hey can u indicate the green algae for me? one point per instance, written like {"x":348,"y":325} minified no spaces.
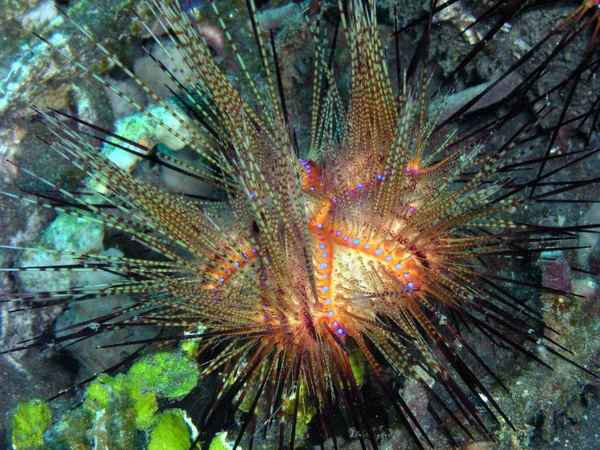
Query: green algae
{"x":122,"y":411}
{"x":29,"y":422}
{"x":220,"y":442}
{"x":169,"y":375}
{"x":171,"y":432}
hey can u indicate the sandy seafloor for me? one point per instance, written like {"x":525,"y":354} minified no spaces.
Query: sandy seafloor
{"x":551,"y":410}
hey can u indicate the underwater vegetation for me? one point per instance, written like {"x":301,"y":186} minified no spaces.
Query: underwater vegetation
{"x":315,"y":230}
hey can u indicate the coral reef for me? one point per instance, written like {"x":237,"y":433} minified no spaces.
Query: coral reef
{"x":128,"y":410}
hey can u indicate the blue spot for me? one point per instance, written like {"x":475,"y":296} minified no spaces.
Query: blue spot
{"x":324,"y":255}
{"x":237,"y":264}
{"x":410,"y":285}
{"x":378,"y":251}
{"x":330,"y":313}
{"x":254,"y":251}
{"x":323,"y":265}
{"x":322,"y":246}
{"x":325,"y":288}
{"x":346,"y":238}
{"x":340,"y":331}
{"x":405,"y":275}
{"x":367,"y":246}
{"x":339,"y":233}
{"x":325,"y":276}
{"x":327,"y":301}
{"x":312,"y":188}
{"x":398,"y":266}
{"x":221,"y":280}
{"x":335,"y":324}
{"x":245,"y":255}
{"x":356,"y":241}
{"x":320,"y":225}
{"x":388,"y":258}
{"x":360,"y":186}
{"x":379,"y":177}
